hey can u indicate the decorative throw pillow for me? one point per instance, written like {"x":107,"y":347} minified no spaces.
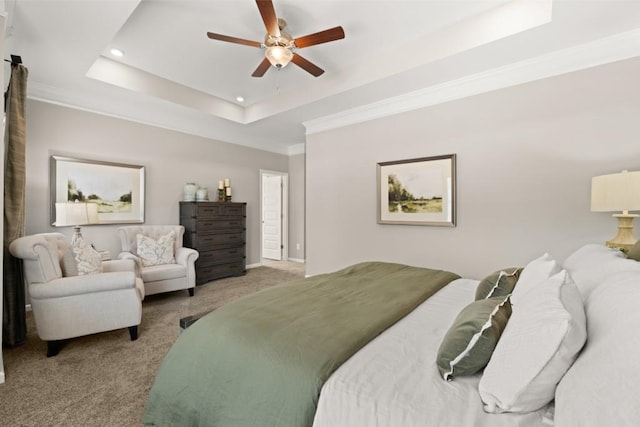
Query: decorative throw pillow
{"x":539,"y":344}
{"x":88,"y":260}
{"x":156,"y":252}
{"x":535,"y":272}
{"x":469,"y":342}
{"x":498,"y":284}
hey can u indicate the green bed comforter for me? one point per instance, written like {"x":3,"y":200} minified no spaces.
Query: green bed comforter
{"x":262,"y":359}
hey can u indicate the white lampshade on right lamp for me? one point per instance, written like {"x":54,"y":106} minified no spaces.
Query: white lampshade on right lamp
{"x":618,"y":192}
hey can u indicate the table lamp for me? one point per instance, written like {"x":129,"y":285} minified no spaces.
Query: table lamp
{"x":618,"y":192}
{"x":76,"y":214}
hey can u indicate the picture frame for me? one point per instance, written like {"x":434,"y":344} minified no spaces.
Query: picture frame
{"x":419,"y":191}
{"x":117,"y":188}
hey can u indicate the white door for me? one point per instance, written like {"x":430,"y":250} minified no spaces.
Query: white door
{"x":272,"y":217}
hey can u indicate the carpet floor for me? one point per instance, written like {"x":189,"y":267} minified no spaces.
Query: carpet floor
{"x":104,"y":379}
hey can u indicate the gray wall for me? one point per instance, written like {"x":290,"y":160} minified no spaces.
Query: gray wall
{"x":170,"y":159}
{"x":525,"y":158}
{"x":296,"y":206}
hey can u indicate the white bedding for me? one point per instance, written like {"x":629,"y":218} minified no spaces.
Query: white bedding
{"x":394,"y":381}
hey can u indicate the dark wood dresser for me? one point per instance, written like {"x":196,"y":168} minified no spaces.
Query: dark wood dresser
{"x":217,"y":230}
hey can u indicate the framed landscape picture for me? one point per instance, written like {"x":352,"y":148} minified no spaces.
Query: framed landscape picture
{"x":418,"y":191}
{"x":116,"y":188}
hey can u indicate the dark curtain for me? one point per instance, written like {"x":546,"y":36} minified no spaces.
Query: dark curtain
{"x":14,"y":325}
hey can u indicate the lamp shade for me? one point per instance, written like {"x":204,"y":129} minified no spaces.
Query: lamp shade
{"x":78,"y":213}
{"x":278,"y":56}
{"x":616,"y":192}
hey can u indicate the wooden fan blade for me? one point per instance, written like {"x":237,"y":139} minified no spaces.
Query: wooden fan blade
{"x":329,"y":35}
{"x":262,"y":68}
{"x":269,"y":18}
{"x":224,"y":38}
{"x":306,"y":65}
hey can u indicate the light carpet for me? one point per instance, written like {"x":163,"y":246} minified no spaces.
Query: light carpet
{"x":104,"y":379}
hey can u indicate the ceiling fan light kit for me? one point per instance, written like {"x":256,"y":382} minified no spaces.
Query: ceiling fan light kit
{"x":279,"y":45}
{"x":278,"y":56}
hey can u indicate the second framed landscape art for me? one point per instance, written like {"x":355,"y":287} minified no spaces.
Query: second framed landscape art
{"x":418,"y":191}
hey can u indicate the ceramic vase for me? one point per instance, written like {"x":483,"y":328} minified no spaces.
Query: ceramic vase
{"x":190,"y":189}
{"x":202,"y":194}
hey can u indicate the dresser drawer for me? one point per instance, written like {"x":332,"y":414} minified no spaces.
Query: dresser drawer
{"x":212,"y":209}
{"x":206,"y":274}
{"x":205,"y":225}
{"x":219,"y":210}
{"x":211,"y":241}
{"x":218,"y":256}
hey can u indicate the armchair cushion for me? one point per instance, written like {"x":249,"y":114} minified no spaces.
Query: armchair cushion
{"x":156,"y":252}
{"x":163,"y":272}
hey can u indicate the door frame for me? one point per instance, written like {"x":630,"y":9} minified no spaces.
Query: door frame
{"x":285,"y":211}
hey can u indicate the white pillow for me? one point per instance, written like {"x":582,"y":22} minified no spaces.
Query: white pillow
{"x":544,"y":334}
{"x":602,"y":387}
{"x":156,"y":252}
{"x":537,"y":271}
{"x":592,"y":264}
{"x":88,"y":260}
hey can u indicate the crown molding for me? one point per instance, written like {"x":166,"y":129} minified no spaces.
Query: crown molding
{"x":603,"y":51}
{"x":297,"y":149}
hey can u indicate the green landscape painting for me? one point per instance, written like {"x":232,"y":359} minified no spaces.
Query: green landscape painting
{"x":403,"y":199}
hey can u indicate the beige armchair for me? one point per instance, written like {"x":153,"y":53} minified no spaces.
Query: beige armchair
{"x":164,"y":277}
{"x":73,"y":306}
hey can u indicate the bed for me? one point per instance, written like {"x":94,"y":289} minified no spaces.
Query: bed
{"x":577,"y":366}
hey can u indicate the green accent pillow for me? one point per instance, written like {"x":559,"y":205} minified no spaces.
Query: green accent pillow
{"x":499,"y":283}
{"x":470,"y":341}
{"x":634,"y":252}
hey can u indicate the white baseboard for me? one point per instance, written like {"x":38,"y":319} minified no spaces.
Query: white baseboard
{"x":260,"y":264}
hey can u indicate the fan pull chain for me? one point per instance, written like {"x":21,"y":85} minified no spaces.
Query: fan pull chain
{"x":278,"y":80}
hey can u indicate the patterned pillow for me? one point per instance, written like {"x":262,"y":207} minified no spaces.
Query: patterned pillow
{"x":88,"y":260}
{"x":156,"y":252}
{"x":498,"y":284}
{"x":469,"y":342}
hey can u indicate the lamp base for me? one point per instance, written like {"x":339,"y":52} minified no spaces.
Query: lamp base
{"x":625,"y":239}
{"x":76,"y":236}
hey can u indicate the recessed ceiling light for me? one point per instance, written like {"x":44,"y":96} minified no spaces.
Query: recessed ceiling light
{"x":117,"y":52}
{"x":239,"y":99}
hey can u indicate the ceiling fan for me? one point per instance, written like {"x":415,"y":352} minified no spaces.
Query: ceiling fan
{"x":279,"y":44}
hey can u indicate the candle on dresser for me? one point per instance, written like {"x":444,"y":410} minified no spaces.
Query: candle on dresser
{"x":228,"y":191}
{"x":226,"y":182}
{"x":220,"y":185}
